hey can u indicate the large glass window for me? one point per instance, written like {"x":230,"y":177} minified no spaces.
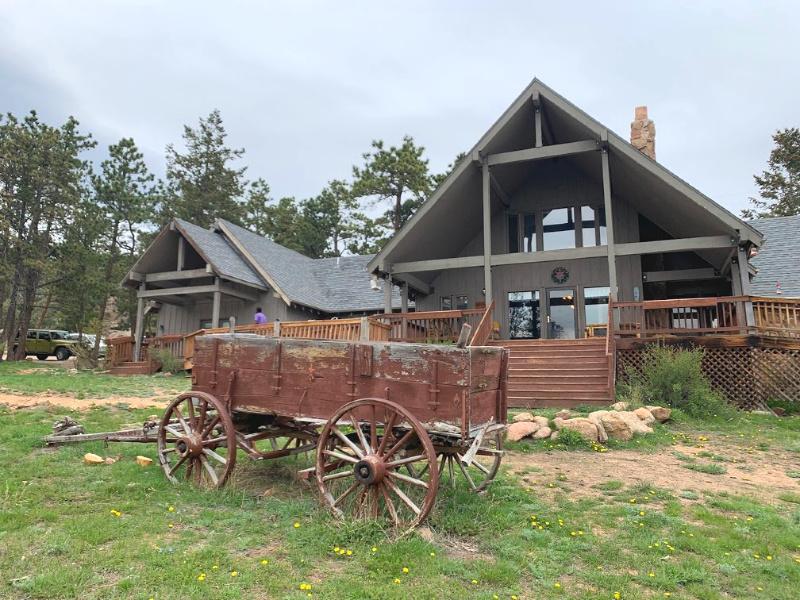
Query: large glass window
{"x":528,"y":233}
{"x":561,"y":318}
{"x":595,"y":307}
{"x":558,"y":227}
{"x":524,"y":318}
{"x":593,"y":226}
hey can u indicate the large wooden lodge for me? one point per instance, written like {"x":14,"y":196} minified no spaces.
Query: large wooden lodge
{"x":554,"y":236}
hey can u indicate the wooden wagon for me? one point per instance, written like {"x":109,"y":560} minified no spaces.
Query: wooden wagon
{"x":387,"y":420}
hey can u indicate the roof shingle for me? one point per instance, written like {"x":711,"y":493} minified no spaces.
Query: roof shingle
{"x":778,"y":259}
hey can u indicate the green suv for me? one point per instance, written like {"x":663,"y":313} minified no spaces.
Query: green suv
{"x":42,"y":343}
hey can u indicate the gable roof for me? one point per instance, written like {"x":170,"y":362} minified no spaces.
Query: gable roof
{"x":332,"y":285}
{"x":457,"y":199}
{"x":217,"y":252}
{"x":778,"y":260}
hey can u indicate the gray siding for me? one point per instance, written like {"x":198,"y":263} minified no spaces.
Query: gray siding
{"x":558,"y":185}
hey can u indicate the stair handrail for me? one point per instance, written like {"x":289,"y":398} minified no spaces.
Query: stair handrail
{"x":484,"y":329}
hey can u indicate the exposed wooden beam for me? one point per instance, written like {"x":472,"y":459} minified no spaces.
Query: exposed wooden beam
{"x":521,"y":258}
{"x":251,"y":260}
{"x":387,"y":295}
{"x":137,"y":335}
{"x":178,"y":291}
{"x":679,"y":245}
{"x":537,"y":120}
{"x":416,"y":283}
{"x":609,"y":209}
{"x":487,"y":235}
{"x":438,"y":264}
{"x":181,"y":253}
{"x":236,"y":293}
{"x":175,"y":275}
{"x":681,"y":275}
{"x":544,"y":152}
{"x":744,"y":274}
{"x":404,"y":298}
{"x":499,"y":191}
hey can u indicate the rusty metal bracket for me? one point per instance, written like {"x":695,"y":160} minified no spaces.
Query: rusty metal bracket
{"x":276,"y":386}
{"x":433,"y":389}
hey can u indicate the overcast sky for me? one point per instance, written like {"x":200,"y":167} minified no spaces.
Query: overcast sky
{"x":305,"y":86}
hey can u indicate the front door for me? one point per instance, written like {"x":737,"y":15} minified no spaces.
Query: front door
{"x":561,"y":323}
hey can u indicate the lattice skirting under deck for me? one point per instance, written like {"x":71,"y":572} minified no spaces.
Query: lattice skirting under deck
{"x":748,"y":376}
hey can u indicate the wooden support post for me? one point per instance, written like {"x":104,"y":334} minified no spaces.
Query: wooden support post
{"x":537,"y":120}
{"x":363,"y":329}
{"x":181,"y":253}
{"x":404,"y":309}
{"x":487,"y":234}
{"x":744,"y":278}
{"x":276,"y":328}
{"x":216,"y":305}
{"x":137,"y":335}
{"x":612,"y":257}
{"x":387,"y":294}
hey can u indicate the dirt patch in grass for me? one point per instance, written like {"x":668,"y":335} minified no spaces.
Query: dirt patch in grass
{"x":70,"y":402}
{"x":588,"y":472}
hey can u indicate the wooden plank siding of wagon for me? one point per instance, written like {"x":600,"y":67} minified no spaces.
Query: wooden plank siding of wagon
{"x":312,"y":379}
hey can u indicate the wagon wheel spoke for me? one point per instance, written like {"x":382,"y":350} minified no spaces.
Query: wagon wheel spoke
{"x":187,"y":441}
{"x":360,"y":434}
{"x":481,"y":470}
{"x":390,"y":505}
{"x":358,"y":473}
{"x":347,"y":442}
{"x":465,"y":472}
{"x":450,"y":471}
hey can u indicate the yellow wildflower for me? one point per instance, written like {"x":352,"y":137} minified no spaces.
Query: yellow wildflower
{"x":264,"y":561}
{"x":557,"y":585}
{"x":234,"y":573}
{"x":397,"y":580}
{"x":374,"y":548}
{"x":405,"y":569}
{"x":296,"y":525}
{"x":171,"y":508}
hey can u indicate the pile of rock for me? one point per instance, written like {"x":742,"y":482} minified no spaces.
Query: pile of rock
{"x":616,"y":423}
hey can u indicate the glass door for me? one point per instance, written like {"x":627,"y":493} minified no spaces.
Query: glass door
{"x":524,"y":317}
{"x":561,"y":314}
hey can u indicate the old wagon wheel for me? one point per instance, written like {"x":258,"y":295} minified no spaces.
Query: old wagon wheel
{"x":197,"y":440}
{"x":375,"y":460}
{"x":478,"y":472}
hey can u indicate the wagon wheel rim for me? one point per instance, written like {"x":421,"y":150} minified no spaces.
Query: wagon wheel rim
{"x":197,"y":440}
{"x":384,"y":468}
{"x":481,"y":471}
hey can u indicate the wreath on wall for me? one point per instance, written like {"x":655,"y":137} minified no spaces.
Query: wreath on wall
{"x":560,"y":275}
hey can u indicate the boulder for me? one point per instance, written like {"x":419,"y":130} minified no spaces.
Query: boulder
{"x":564,"y":414}
{"x":526,"y":416}
{"x":542,"y":421}
{"x":143,"y":461}
{"x":645,"y":416}
{"x":633,"y":421}
{"x":616,"y":427}
{"x":558,"y":422}
{"x":583,"y":426}
{"x":620,"y":406}
{"x":93,"y":459}
{"x":517,"y":431}
{"x":660,"y":413}
{"x":542,"y":433}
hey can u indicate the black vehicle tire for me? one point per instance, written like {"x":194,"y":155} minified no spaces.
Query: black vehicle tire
{"x":42,"y":356}
{"x":62,"y":353}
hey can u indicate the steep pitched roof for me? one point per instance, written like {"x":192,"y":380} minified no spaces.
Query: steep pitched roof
{"x":217,"y":252}
{"x":778,"y":260}
{"x":332,"y":285}
{"x":458,"y":203}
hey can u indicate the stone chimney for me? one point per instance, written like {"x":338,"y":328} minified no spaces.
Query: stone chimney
{"x":643,"y":133}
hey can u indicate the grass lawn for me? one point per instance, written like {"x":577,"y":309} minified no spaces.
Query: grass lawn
{"x":39,"y":377}
{"x":122,"y":531}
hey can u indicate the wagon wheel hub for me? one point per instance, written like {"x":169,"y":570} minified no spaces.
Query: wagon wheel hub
{"x":189,"y":445}
{"x":369,"y":470}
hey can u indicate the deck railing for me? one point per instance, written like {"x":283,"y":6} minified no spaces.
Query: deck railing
{"x":690,"y":316}
{"x":120,"y":350}
{"x":431,"y":327}
{"x":777,"y":316}
{"x":706,"y":316}
{"x":481,"y":335}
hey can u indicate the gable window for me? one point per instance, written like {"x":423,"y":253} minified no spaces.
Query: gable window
{"x":593,"y":225}
{"x":558,"y":228}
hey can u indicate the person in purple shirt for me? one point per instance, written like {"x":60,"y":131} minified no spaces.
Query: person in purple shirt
{"x":261,"y":318}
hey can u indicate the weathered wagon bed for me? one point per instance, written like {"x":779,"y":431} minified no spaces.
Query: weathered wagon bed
{"x":386,"y":420}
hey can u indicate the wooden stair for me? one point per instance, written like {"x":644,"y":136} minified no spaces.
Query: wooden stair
{"x":132,"y":368}
{"x":562,"y":373}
